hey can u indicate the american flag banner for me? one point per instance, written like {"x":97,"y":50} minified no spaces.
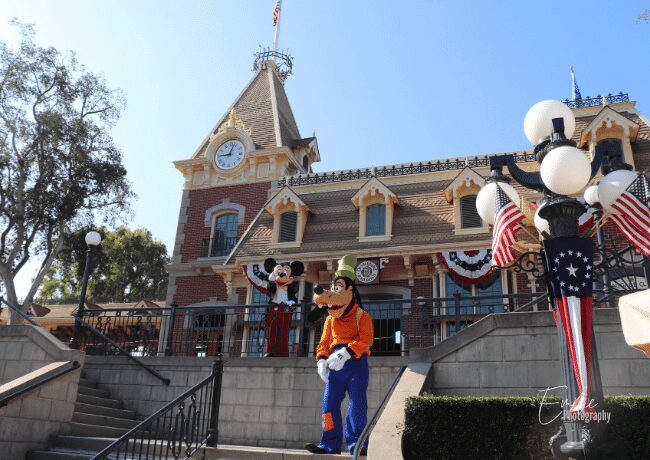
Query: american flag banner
{"x":276,"y":13}
{"x":507,"y":218}
{"x":632,"y":214}
{"x":570,"y":265}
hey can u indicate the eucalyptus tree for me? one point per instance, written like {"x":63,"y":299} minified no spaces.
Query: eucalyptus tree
{"x":59,"y":166}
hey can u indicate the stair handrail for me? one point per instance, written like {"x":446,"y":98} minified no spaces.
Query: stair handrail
{"x":73,"y":365}
{"x":537,"y":300}
{"x":209,"y":436}
{"x":373,"y":420}
{"x":123,"y":352}
{"x":18,"y":311}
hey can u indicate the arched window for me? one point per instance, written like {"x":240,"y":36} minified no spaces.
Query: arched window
{"x":305,"y":163}
{"x":224,"y":235}
{"x":376,"y":220}
{"x":288,"y":227}
{"x":469,"y":217}
{"x":612,"y":151}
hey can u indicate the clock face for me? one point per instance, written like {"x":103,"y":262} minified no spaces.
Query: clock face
{"x":229,"y":155}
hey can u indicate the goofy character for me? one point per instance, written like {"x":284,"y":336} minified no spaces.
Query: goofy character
{"x":343,"y":360}
{"x":282,"y":297}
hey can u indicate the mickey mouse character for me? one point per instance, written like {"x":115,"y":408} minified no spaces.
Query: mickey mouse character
{"x":343,"y":360}
{"x":282,"y":296}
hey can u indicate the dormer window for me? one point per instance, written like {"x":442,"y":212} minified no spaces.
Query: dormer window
{"x":289,"y":218}
{"x":376,"y":220}
{"x":461,"y":194}
{"x":376,"y":204}
{"x":612,"y":150}
{"x":288,"y":224}
{"x":469,"y":217}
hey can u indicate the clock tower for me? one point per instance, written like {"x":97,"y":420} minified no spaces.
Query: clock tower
{"x":227,"y":182}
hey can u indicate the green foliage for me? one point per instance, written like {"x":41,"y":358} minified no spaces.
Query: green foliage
{"x":129,"y":266}
{"x":438,"y":427}
{"x":59,"y":168}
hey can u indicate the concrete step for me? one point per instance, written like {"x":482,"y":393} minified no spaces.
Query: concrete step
{"x":58,"y":455}
{"x":102,"y":410}
{"x":84,"y":429}
{"x":93,"y":444}
{"x":230,"y":452}
{"x":92,"y":419}
{"x":87,"y":383}
{"x":96,"y":401}
{"x":97,"y":392}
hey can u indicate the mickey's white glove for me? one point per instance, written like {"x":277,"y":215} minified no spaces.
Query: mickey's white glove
{"x":337,"y":360}
{"x":322,"y":369}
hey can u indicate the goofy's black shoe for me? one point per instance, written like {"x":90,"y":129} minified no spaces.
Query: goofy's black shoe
{"x":314,"y":449}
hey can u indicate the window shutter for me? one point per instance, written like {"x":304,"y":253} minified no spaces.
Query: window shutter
{"x":288,"y":225}
{"x":469,"y":217}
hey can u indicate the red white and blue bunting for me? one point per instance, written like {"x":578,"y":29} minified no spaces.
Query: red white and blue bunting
{"x":468,"y":267}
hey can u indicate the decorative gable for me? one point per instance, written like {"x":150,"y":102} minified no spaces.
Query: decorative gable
{"x":467,"y":182}
{"x":374,"y":191}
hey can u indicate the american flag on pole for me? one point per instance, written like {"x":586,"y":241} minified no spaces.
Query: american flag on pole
{"x":276,"y":13}
{"x":570,"y":265}
{"x":632,"y":214}
{"x":507,"y":218}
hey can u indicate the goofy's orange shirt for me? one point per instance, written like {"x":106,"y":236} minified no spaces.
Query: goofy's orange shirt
{"x":354,"y":330}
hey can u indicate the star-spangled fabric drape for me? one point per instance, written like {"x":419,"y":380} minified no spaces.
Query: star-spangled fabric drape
{"x":570,"y":265}
{"x":469,"y":267}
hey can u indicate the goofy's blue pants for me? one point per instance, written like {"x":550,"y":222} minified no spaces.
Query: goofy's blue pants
{"x":353,"y":378}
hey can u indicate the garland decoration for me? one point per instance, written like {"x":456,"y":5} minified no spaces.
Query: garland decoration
{"x":468,"y":267}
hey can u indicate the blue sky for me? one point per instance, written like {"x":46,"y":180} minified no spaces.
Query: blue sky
{"x":380,"y":81}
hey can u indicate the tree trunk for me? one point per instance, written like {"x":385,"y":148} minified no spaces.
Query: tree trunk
{"x":10,"y":288}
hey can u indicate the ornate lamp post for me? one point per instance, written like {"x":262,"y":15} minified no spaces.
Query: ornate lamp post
{"x":564,"y":171}
{"x":93,"y":239}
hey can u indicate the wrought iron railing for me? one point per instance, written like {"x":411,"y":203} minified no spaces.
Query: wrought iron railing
{"x":177,"y":430}
{"x":598,"y":100}
{"x":397,"y":170}
{"x":260,"y":330}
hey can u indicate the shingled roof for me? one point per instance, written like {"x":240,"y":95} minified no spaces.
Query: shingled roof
{"x":422,"y":218}
{"x":264,"y":108}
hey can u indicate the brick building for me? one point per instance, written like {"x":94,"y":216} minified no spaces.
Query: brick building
{"x":250,"y":193}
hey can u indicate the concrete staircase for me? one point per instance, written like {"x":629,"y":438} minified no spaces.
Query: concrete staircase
{"x":97,"y":421}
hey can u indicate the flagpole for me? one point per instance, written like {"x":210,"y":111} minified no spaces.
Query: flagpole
{"x":573,"y":84}
{"x":277,"y":27}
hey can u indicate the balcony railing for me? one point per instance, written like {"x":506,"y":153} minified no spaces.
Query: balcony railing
{"x":217,"y":247}
{"x":598,"y":100}
{"x":258,"y":330}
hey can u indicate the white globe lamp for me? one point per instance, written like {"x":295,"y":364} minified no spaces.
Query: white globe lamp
{"x":486,"y":199}
{"x":541,"y":224}
{"x":591,"y":195}
{"x":565,"y":170}
{"x":538,"y":123}
{"x":613,"y":185}
{"x":93,"y":238}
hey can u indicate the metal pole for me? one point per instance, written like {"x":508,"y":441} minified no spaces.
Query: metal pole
{"x":170,"y":329}
{"x":277,"y":27}
{"x":74,"y":341}
{"x":301,"y":329}
{"x":213,"y":430}
{"x":600,"y":238}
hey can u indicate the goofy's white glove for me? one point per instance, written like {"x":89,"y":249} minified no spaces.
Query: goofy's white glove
{"x":322,"y":369}
{"x":337,"y":360}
